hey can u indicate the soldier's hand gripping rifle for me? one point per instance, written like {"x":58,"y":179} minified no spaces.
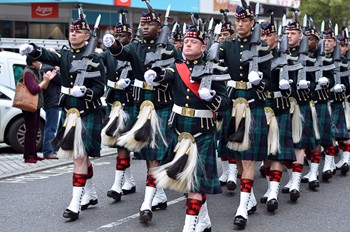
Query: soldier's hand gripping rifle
{"x":304,"y":57}
{"x":155,"y":59}
{"x":80,"y":66}
{"x":205,"y":72}
{"x":321,"y":57}
{"x":252,"y":55}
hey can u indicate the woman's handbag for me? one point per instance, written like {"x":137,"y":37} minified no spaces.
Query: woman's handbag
{"x":24,"y":99}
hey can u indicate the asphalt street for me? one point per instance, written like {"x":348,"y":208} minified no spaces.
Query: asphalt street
{"x":36,"y":200}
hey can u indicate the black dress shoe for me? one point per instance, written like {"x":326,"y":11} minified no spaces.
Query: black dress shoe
{"x":91,"y":202}
{"x":272,"y":205}
{"x":294,"y":195}
{"x":261,"y":170}
{"x":252,"y":210}
{"x":115,"y":195}
{"x":263,"y":199}
{"x":70,"y":214}
{"x":128,"y":191}
{"x":314,"y":184}
{"x":146,"y":216}
{"x":240,"y":221}
{"x":231,"y":185}
{"x":207,"y":230}
{"x":304,"y":180}
{"x":326,"y":175}
{"x":160,"y":206}
{"x":344,"y":169}
{"x":285,"y":190}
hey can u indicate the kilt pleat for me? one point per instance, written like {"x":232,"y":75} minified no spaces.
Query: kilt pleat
{"x":308,"y":140}
{"x":324,"y":123}
{"x":338,"y":118}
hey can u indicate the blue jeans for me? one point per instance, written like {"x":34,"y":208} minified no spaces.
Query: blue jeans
{"x":50,"y":129}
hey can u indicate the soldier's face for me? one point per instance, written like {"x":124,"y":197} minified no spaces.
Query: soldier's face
{"x":312,"y":41}
{"x":244,"y":27}
{"x":329,"y":45}
{"x":294,"y":37}
{"x":225,"y":35}
{"x":344,"y":49}
{"x":193,"y":48}
{"x":270,"y":39}
{"x":77,"y":38}
{"x":123,"y":37}
{"x":178,"y":45}
{"x":150,"y":30}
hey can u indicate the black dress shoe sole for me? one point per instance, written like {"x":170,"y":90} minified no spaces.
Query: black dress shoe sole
{"x":326,"y":175}
{"x":230,"y":185}
{"x":70,"y":215}
{"x":272,"y":205}
{"x":115,"y":195}
{"x":314,"y":184}
{"x":240,"y":221}
{"x":145,"y":216}
{"x":344,"y":169}
{"x":129,"y":191}
{"x":294,"y":195}
{"x":91,"y":202}
{"x":160,"y":206}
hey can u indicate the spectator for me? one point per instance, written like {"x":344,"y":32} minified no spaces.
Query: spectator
{"x":35,"y":84}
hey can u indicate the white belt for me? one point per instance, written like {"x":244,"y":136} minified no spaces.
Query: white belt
{"x":143,"y":85}
{"x":66,"y":90}
{"x":113,"y":84}
{"x":190,"y":112}
{"x":239,"y":84}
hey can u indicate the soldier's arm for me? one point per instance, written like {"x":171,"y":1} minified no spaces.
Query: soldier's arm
{"x":45,"y":56}
{"x":122,"y":52}
{"x":220,"y":100}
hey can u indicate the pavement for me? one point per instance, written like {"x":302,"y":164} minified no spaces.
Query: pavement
{"x":12,"y":164}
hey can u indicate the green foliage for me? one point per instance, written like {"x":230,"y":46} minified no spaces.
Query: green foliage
{"x":319,"y":10}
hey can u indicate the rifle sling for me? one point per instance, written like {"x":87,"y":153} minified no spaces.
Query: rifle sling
{"x":185,"y":75}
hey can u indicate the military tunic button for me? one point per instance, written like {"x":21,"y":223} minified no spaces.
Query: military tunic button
{"x":77,"y":51}
{"x":149,"y":48}
{"x":71,"y":76}
{"x":188,"y":90}
{"x":240,"y":67}
{"x":241,"y":53}
{"x":187,"y":97}
{"x":241,"y":46}
{"x":71,"y":83}
{"x":241,"y":74}
{"x":190,"y":69}
{"x":186,"y":105}
{"x":73,"y":56}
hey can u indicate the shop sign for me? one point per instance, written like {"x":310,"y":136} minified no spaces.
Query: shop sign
{"x":122,"y":2}
{"x":44,"y":10}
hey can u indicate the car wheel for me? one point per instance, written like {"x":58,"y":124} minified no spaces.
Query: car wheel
{"x":16,"y":135}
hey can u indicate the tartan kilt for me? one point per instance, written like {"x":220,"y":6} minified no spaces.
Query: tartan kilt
{"x":286,"y":152}
{"x":308,"y":139}
{"x":258,"y":137}
{"x":338,"y":118}
{"x":159,"y":152}
{"x":324,"y":123}
{"x":208,"y":180}
{"x":92,"y":126}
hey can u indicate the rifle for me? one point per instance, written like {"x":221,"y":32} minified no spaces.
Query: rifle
{"x":210,"y":34}
{"x":155,"y":58}
{"x":337,"y":59}
{"x":172,"y":39}
{"x":304,"y":56}
{"x":205,"y":73}
{"x":125,"y":67}
{"x":321,"y":58}
{"x":137,"y":38}
{"x":252,"y":55}
{"x":80,"y":66}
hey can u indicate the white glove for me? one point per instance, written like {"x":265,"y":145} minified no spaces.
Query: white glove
{"x":255,"y":77}
{"x":206,"y":94}
{"x":303,"y":84}
{"x":108,"y":40}
{"x":149,"y":76}
{"x":25,"y":49}
{"x":78,"y":91}
{"x":338,"y":88}
{"x":284,"y":84}
{"x":323,"y":81}
{"x":123,"y":83}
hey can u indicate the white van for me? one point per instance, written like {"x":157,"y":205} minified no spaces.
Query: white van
{"x":11,"y":68}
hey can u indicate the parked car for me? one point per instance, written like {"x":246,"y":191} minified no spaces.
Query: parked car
{"x":11,"y":68}
{"x":12,"y":127}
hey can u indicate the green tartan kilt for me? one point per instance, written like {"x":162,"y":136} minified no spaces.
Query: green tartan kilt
{"x":338,"y":118}
{"x":324,"y":123}
{"x":207,"y":176}
{"x":92,"y":126}
{"x":286,"y":152}
{"x":308,"y":140}
{"x":159,"y":152}
{"x":257,"y":136}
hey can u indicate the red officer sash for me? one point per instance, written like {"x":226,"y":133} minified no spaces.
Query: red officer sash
{"x":185,"y":75}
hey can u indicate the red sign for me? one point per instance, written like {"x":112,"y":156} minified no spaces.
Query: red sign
{"x":122,"y":2}
{"x":44,"y":10}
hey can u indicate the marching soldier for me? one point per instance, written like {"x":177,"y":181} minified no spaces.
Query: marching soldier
{"x":120,"y":104}
{"x":80,"y":136}
{"x":278,"y":100}
{"x":149,"y":133}
{"x":320,"y":101}
{"x":227,"y":30}
{"x":303,"y":131}
{"x":244,"y":124}
{"x":194,"y":132}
